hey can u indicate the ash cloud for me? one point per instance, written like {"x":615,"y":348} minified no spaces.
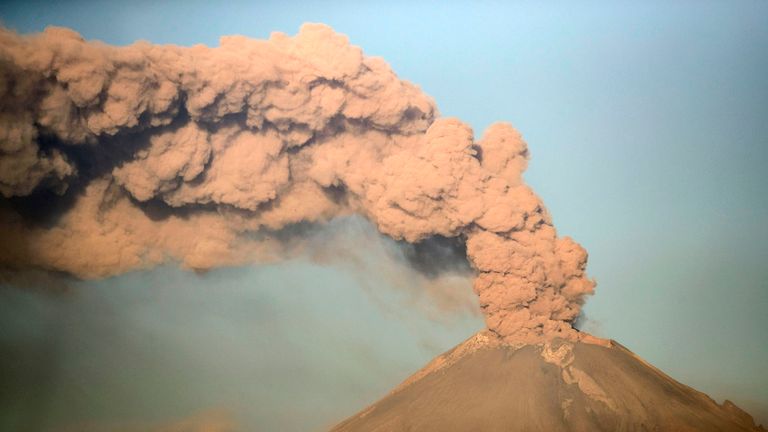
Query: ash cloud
{"x":120,"y":158}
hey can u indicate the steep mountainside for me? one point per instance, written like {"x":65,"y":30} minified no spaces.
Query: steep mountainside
{"x":482,"y":385}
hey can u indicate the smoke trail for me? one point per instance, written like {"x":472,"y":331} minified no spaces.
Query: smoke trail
{"x":117,"y":158}
{"x":211,"y":420}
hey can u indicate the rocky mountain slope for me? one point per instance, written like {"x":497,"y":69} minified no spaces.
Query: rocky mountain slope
{"x":590,"y":385}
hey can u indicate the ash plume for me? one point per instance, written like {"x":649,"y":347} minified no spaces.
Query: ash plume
{"x":121,"y":158}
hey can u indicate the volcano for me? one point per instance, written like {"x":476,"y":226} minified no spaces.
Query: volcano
{"x":561,"y":385}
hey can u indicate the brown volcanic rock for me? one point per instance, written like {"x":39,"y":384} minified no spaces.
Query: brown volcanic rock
{"x":482,"y":385}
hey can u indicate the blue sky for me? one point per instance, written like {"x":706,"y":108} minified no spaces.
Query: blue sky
{"x":648,"y":128}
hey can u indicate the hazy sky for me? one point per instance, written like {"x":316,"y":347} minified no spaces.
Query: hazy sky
{"x":648,"y":128}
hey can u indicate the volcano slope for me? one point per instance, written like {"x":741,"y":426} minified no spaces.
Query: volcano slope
{"x":484,"y":385}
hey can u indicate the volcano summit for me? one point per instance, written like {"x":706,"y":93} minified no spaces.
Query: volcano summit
{"x":485,"y":385}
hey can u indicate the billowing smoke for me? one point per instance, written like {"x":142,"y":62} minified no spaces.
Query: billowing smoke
{"x":120,"y":158}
